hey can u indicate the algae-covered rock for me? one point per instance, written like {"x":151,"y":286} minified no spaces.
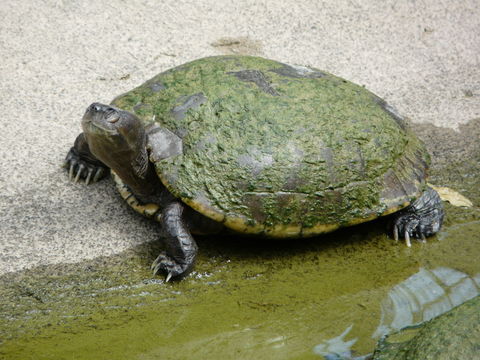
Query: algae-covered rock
{"x":453,"y":335}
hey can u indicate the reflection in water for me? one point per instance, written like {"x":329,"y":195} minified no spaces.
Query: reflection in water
{"x":423,"y":296}
{"x":336,"y":347}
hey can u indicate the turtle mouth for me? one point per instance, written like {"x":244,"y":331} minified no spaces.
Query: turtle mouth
{"x":102,"y":117}
{"x":102,"y":128}
{"x":112,"y":116}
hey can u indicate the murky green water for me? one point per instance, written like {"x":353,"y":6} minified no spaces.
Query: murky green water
{"x":245,"y":301}
{"x":249,"y":298}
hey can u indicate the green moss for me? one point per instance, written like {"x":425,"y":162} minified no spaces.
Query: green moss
{"x":247,"y":298}
{"x":309,"y":134}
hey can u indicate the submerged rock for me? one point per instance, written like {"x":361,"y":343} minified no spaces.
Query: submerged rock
{"x":453,"y":335}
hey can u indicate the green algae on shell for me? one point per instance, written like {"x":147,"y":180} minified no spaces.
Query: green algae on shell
{"x":279,"y":150}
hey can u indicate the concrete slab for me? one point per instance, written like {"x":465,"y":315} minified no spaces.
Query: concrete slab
{"x":423,"y":57}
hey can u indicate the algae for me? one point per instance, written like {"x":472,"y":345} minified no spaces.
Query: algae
{"x":279,"y":150}
{"x":273,"y":300}
{"x":247,"y":298}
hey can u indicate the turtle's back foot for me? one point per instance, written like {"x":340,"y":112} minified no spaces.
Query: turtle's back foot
{"x":420,"y":219}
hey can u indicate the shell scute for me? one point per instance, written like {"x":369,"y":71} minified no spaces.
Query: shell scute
{"x":279,"y":150}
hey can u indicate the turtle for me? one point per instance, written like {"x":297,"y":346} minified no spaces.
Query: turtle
{"x":248,"y":145}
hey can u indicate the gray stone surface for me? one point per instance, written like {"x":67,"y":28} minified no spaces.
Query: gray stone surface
{"x":57,"y":57}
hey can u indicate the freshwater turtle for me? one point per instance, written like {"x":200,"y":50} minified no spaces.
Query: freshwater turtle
{"x":258,"y":147}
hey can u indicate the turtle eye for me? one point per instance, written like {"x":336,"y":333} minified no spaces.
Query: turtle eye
{"x":95,"y":107}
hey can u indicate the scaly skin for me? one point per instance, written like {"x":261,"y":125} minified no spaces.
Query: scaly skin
{"x":179,"y":258}
{"x":82,"y":164}
{"x":420,"y":219}
{"x":117,"y":139}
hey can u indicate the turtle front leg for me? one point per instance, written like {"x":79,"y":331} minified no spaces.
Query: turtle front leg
{"x":81,"y":163}
{"x":420,"y":219}
{"x":181,"y":252}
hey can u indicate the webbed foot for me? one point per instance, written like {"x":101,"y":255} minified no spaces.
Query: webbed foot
{"x":82,"y":168}
{"x":420,"y":219}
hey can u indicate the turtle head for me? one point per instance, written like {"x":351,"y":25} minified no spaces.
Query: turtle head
{"x":119,"y":127}
{"x":117,"y":138}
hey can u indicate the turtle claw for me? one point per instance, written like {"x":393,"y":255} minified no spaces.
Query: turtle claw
{"x":395,"y":232}
{"x":89,"y":175}
{"x":423,"y":239}
{"x":165,"y":263}
{"x":408,"y":225}
{"x":99,"y":174}
{"x":79,"y":171}
{"x":155,"y":268}
{"x":407,"y":239}
{"x":420,"y":219}
{"x":70,"y":172}
{"x":82,"y":168}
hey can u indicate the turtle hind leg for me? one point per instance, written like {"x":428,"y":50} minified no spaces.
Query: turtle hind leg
{"x":420,"y":219}
{"x":181,"y":249}
{"x":82,"y":164}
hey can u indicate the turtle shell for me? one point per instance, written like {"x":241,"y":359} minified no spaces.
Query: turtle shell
{"x":278,"y":150}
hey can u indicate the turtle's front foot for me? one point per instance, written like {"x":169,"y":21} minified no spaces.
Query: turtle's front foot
{"x":179,"y":258}
{"x":420,"y":219}
{"x":168,"y":265}
{"x":82,"y":168}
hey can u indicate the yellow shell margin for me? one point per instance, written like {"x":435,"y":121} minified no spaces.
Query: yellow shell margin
{"x":149,"y":210}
